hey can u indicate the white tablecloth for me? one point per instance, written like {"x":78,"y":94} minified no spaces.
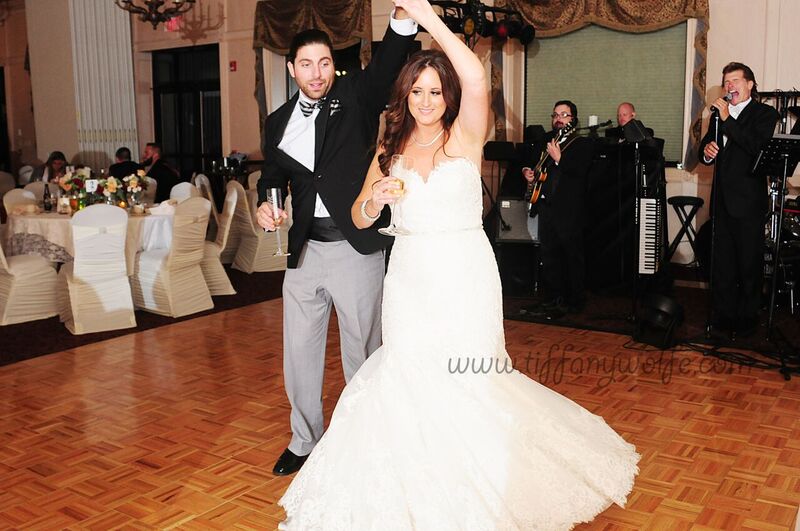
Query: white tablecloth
{"x":50,"y":235}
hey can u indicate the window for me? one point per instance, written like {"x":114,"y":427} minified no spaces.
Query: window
{"x":186,"y":97}
{"x":598,"y":68}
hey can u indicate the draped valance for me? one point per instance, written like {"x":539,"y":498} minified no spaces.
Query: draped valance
{"x":348,"y":22}
{"x":556,"y":17}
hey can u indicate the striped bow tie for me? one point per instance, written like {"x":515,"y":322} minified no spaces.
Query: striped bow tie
{"x":308,"y":107}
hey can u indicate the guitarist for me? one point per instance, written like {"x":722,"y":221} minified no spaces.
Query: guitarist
{"x":560,"y":206}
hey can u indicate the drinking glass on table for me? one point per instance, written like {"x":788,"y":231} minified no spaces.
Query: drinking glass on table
{"x":275,"y":199}
{"x":400,"y":165}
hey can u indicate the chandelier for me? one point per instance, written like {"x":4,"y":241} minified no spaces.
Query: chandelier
{"x":154,"y":11}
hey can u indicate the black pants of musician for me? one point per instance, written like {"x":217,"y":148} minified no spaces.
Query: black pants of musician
{"x":563,"y":263}
{"x":738,"y":269}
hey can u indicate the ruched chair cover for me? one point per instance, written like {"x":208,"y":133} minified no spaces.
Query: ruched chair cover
{"x":27,"y":289}
{"x":149,"y":194}
{"x":24,"y":175}
{"x":252,"y":180}
{"x":16,"y":197}
{"x":216,"y":277}
{"x":38,"y":190}
{"x":257,"y":247}
{"x":204,"y":186}
{"x":183,"y":191}
{"x":94,"y":293}
{"x":170,"y":281}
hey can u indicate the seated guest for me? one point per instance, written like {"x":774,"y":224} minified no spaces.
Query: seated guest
{"x":625,"y":113}
{"x":158,"y":169}
{"x":52,"y":170}
{"x":123,"y":166}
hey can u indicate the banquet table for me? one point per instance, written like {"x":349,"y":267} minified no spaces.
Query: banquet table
{"x":50,"y":235}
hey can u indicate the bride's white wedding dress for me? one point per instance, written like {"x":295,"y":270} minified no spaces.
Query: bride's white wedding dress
{"x":418,"y":442}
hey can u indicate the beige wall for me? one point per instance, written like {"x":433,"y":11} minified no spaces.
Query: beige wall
{"x":50,"y":48}
{"x":21,"y":132}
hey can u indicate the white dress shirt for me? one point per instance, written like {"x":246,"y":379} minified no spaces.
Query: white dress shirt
{"x":299,"y":138}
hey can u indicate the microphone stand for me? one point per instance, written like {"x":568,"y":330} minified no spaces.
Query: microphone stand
{"x":714,"y":206}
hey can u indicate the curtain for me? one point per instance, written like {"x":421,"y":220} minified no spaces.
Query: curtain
{"x":555,"y":17}
{"x":348,"y":22}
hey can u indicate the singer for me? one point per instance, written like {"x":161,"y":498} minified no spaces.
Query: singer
{"x":738,"y":201}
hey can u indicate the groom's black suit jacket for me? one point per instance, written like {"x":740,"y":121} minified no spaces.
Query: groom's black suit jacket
{"x":346,"y":131}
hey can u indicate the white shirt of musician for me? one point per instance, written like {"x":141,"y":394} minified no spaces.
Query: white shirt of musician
{"x":735,"y":111}
{"x":299,"y":138}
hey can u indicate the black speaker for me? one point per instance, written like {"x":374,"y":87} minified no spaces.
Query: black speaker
{"x":518,"y":227}
{"x":657,"y":318}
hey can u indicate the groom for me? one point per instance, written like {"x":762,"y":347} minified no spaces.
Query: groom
{"x":320,"y":143}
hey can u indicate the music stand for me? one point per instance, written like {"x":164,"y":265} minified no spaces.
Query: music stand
{"x":779,"y":157}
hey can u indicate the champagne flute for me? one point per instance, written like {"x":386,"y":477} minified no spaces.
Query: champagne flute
{"x":400,"y":165}
{"x":275,"y":199}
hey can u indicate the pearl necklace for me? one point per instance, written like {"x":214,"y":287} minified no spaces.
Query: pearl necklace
{"x":429,"y":143}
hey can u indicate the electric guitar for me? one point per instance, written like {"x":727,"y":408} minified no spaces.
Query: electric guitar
{"x":539,"y":171}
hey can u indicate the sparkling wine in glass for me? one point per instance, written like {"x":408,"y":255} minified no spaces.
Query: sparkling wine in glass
{"x":400,"y":165}
{"x":275,"y":199}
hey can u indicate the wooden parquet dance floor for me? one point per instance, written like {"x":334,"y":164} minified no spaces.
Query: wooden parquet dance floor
{"x":179,"y":426}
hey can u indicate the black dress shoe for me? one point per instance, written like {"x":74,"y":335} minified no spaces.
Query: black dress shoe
{"x":288,"y":463}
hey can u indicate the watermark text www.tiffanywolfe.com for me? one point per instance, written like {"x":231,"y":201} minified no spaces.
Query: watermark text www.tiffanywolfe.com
{"x":558,"y":362}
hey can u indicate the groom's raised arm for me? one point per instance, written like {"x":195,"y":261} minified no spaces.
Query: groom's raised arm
{"x":376,"y":81}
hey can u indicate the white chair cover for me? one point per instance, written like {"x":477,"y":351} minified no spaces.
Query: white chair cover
{"x":215,"y":275}
{"x":252,"y":180}
{"x":170,"y":281}
{"x":257,"y":247}
{"x":37,"y":189}
{"x":95,"y":294}
{"x":27,"y":289}
{"x":183,"y":191}
{"x":24,"y":175}
{"x":204,"y":186}
{"x":149,"y":195}
{"x":18,"y":196}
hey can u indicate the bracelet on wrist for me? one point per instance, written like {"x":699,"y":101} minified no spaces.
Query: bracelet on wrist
{"x":364,"y":213}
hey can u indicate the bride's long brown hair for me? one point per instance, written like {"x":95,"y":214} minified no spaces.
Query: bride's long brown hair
{"x":399,"y":121}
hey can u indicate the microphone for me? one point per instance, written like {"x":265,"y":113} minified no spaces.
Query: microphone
{"x":727,"y":97}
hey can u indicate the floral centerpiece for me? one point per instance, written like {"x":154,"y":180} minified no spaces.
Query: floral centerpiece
{"x":135,"y":184}
{"x":112,"y":190}
{"x":73,"y":182}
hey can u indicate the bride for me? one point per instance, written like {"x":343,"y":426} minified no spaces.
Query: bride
{"x":436,"y":431}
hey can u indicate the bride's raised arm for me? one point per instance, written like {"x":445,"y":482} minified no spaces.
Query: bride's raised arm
{"x":473,"y":115}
